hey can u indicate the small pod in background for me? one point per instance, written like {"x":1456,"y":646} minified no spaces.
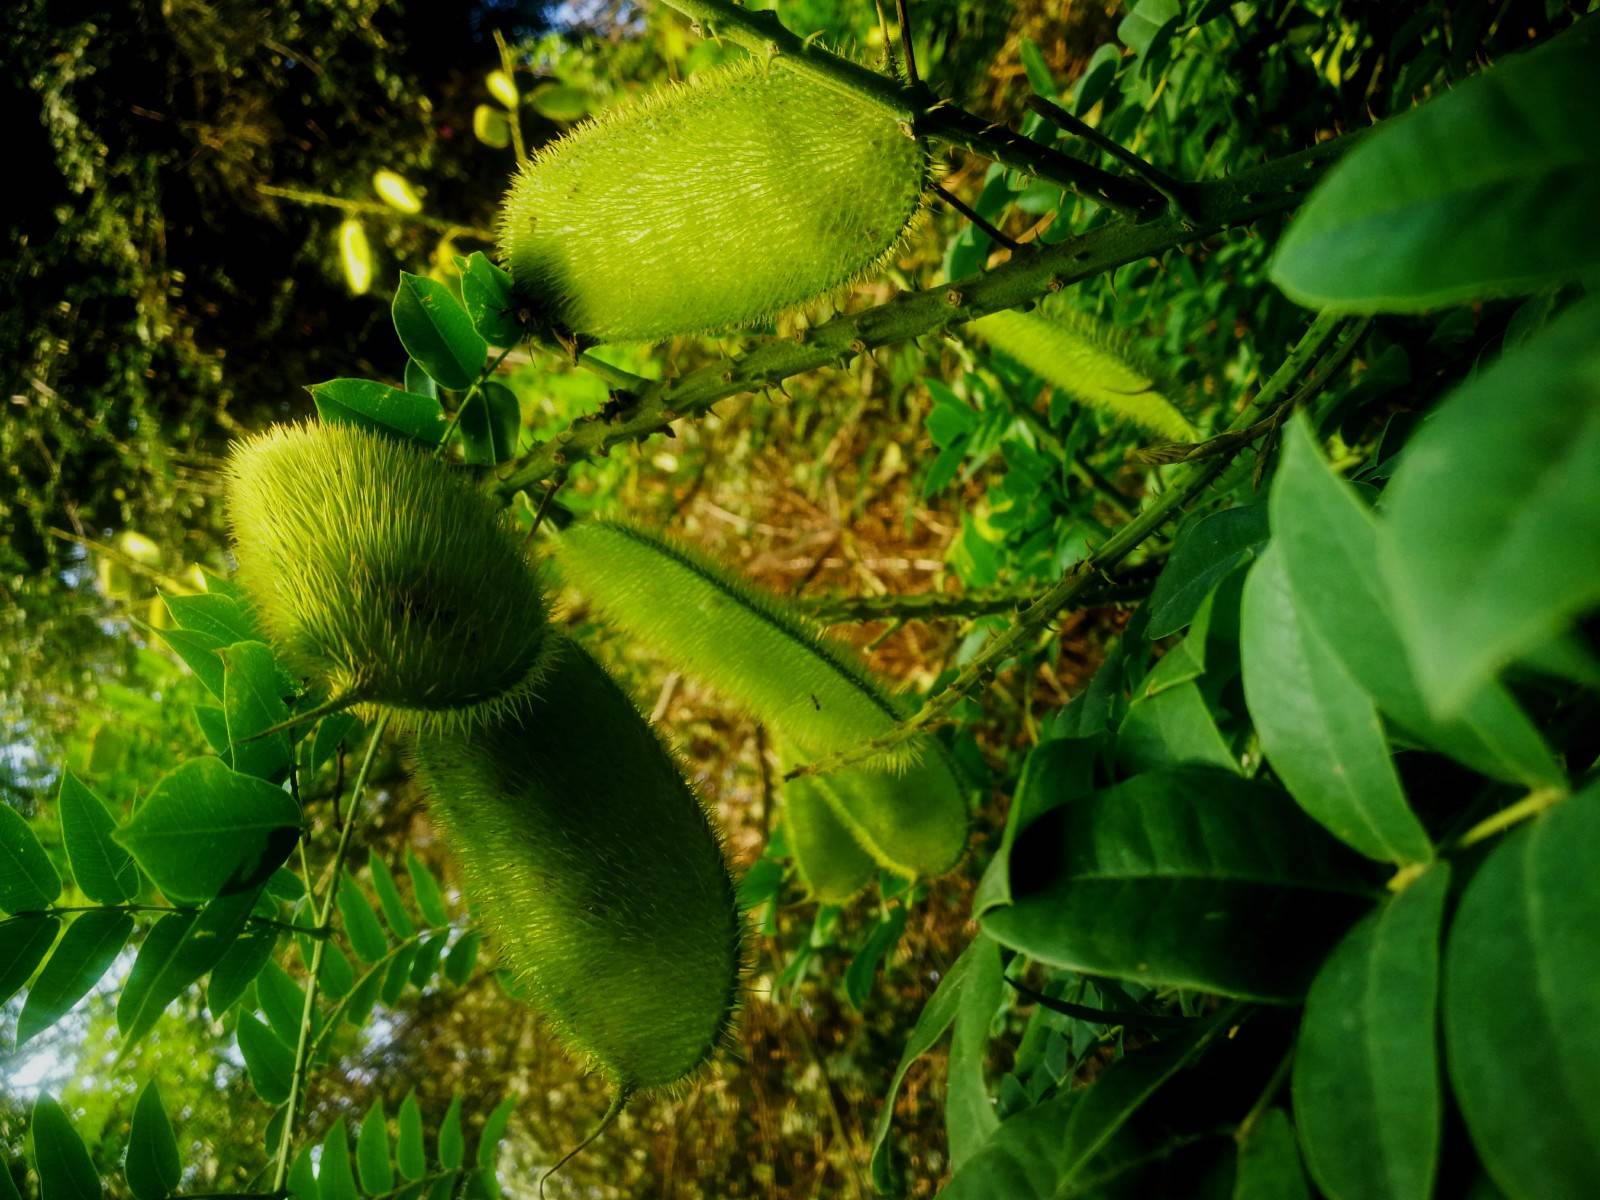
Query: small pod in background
{"x":711,"y":206}
{"x":597,"y":871}
{"x":383,"y":575}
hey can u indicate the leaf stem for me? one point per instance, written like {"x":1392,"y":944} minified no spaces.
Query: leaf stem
{"x":373,"y":208}
{"x":1531,"y":805}
{"x":297,"y":1081}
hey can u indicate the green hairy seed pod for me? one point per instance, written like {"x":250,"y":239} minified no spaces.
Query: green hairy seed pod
{"x":831,"y":862}
{"x":1090,"y":361}
{"x":710,"y":206}
{"x":813,"y":691}
{"x":597,"y":872}
{"x":382,"y":574}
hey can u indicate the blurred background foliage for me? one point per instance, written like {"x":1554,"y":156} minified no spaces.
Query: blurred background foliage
{"x":204,"y":217}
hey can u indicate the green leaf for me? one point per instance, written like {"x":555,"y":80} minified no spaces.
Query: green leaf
{"x":283,"y":1002}
{"x":332,"y":731}
{"x":1038,"y":1153}
{"x":27,"y":879}
{"x":103,"y":870}
{"x":338,"y":976}
{"x":1328,"y":541}
{"x":1169,"y":729}
{"x":213,"y":724}
{"x":251,"y":702}
{"x":152,"y":1168}
{"x":198,"y":652}
{"x":24,"y":941}
{"x":377,"y":406}
{"x":1491,"y":543}
{"x":425,"y":889}
{"x":204,"y":825}
{"x":394,"y":910}
{"x":1490,"y":189}
{"x":90,"y":946}
{"x":8,"y":1186}
{"x":937,"y":1016}
{"x":486,"y":289}
{"x":1185,"y":878}
{"x":494,"y":1128}
{"x":1055,"y":772}
{"x":59,"y":1156}
{"x":303,"y":1176}
{"x":863,"y":969}
{"x":427,"y":960}
{"x":335,"y":1179}
{"x":1269,"y":1163}
{"x":372,"y":1152}
{"x":1519,"y":1005}
{"x":1206,"y":552}
{"x":463,"y":956}
{"x":360,"y":922}
{"x":397,"y":973}
{"x":436,"y":332}
{"x":452,"y":1149}
{"x":238,"y":967}
{"x":1319,"y":730}
{"x":410,"y":1155}
{"x":417,"y":381}
{"x":969,"y":1114}
{"x":215,"y":615}
{"x":1367,"y":1094}
{"x":490,"y":422}
{"x":269,"y":1061}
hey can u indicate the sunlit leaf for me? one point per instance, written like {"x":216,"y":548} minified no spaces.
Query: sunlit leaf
{"x":27,"y":879}
{"x":91,"y":945}
{"x":425,"y":889}
{"x":355,"y":255}
{"x":436,"y":331}
{"x":374,"y":405}
{"x":396,"y":191}
{"x":103,"y":870}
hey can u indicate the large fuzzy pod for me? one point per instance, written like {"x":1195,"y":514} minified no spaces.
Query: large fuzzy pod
{"x":710,"y":206}
{"x":597,"y":872}
{"x":1092,"y":362}
{"x":832,"y":864}
{"x":814,"y":692}
{"x":382,"y":574}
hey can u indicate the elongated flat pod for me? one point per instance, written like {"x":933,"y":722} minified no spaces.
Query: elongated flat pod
{"x":813,"y":691}
{"x":832,"y":864}
{"x":710,"y":206}
{"x":1091,"y":361}
{"x":382,"y":573}
{"x":597,"y":871}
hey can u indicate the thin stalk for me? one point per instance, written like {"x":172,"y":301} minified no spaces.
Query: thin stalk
{"x":254,"y":919}
{"x":929,"y":606}
{"x":374,"y":208}
{"x":1081,"y":576}
{"x":1154,"y":176}
{"x":1531,"y":805}
{"x":1100,"y":1016}
{"x":280,"y":1171}
{"x":1225,"y":204}
{"x":484,"y":375}
{"x":966,"y":210}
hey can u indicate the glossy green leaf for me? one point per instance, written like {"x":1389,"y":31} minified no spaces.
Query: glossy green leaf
{"x":1169,"y":729}
{"x":463,"y":956}
{"x":1367,"y":1094}
{"x":490,"y":422}
{"x":969,"y":1113}
{"x":1328,"y":540}
{"x":91,"y":945}
{"x":251,"y":702}
{"x":332,"y":731}
{"x":152,"y":1167}
{"x":425,"y":889}
{"x":418,"y":382}
{"x":436,"y":331}
{"x":1491,"y":540}
{"x":335,"y":1178}
{"x":24,"y":941}
{"x":1206,"y":552}
{"x":198,"y":652}
{"x":373,"y":1167}
{"x":937,"y":1015}
{"x":1489,"y":189}
{"x":360,"y":921}
{"x":216,"y":614}
{"x":28,"y":881}
{"x":204,"y":825}
{"x":486,"y":291}
{"x":1187,"y":878}
{"x":1319,"y":730}
{"x":410,"y":1155}
{"x":377,"y":406}
{"x":1268,"y":1165}
{"x":394,"y":909}
{"x":452,"y":1148}
{"x":59,"y":1156}
{"x":1055,"y":772}
{"x":238,"y":967}
{"x":1519,"y":1005}
{"x":213,"y":724}
{"x":103,"y":870}
{"x":1037,"y":1154}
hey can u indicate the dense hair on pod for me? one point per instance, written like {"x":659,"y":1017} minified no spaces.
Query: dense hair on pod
{"x":382,"y":573}
{"x":711,"y":206}
{"x":1090,"y":361}
{"x":909,"y":813}
{"x":832,"y":864}
{"x":597,"y":872}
